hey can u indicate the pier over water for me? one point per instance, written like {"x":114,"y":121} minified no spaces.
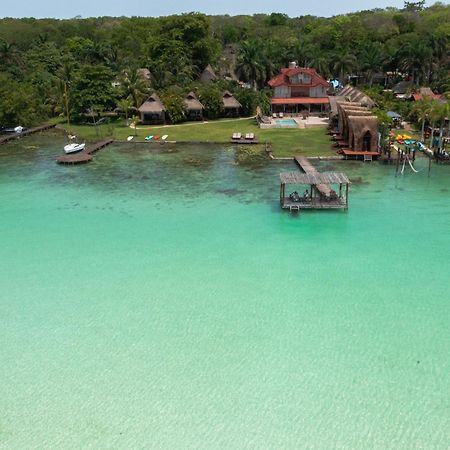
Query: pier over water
{"x":320,"y":194}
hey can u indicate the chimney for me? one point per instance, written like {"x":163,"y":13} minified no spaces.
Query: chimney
{"x":292,"y":64}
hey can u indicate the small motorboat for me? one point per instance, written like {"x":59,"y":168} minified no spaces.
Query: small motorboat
{"x":74,"y":147}
{"x":18,"y":129}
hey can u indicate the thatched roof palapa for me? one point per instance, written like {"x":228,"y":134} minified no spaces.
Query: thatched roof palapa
{"x":229,"y":101}
{"x":314,"y":178}
{"x":192,"y":103}
{"x":152,"y":105}
{"x":207,"y":75}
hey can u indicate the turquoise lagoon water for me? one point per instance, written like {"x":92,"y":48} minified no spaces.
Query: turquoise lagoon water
{"x":160,"y":299}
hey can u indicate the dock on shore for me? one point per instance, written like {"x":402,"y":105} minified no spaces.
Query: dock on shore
{"x":321,"y":195}
{"x":85,"y":155}
{"x":12,"y":137}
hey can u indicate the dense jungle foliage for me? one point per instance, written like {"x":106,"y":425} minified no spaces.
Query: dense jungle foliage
{"x":89,"y":66}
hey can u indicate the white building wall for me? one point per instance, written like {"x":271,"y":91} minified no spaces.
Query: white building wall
{"x":282,"y":92}
{"x":318,"y":91}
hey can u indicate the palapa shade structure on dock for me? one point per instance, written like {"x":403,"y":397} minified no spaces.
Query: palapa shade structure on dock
{"x":152,"y":110}
{"x":314,"y":178}
{"x":194,"y":109}
{"x":321,"y":196}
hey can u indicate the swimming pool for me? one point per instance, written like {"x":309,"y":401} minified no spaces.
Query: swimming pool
{"x":286,"y":123}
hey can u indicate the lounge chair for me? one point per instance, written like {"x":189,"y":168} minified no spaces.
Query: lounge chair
{"x":164,"y":137}
{"x":274,"y":115}
{"x":247,"y":136}
{"x":280,"y":115}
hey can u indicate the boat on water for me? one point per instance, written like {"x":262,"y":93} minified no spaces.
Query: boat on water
{"x":74,"y":147}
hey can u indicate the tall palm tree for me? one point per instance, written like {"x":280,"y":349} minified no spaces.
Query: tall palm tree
{"x":435,"y":116}
{"x":125,"y":105}
{"x":444,"y":114}
{"x":422,"y":109}
{"x":64,"y":80}
{"x":135,"y":87}
{"x":345,"y":63}
{"x":373,"y":58}
{"x":250,"y":64}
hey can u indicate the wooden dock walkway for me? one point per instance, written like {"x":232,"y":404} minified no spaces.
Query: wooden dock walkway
{"x":13,"y":136}
{"x":85,"y":155}
{"x":308,"y":168}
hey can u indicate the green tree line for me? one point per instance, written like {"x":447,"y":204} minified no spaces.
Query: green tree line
{"x":50,"y":67}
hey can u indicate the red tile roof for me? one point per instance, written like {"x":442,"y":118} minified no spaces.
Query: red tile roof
{"x":300,"y":101}
{"x":283,"y":78}
{"x":418,"y":97}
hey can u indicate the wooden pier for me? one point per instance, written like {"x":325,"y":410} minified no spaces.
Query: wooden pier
{"x":321,"y":195}
{"x":85,"y":155}
{"x":13,"y":136}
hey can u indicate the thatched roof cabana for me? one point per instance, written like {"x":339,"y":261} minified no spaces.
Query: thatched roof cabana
{"x":207,"y":75}
{"x":192,"y":103}
{"x":363,"y":133}
{"x":152,"y":105}
{"x":229,"y":101}
{"x":152,"y":110}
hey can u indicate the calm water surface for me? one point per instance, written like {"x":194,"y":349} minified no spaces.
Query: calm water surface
{"x":160,"y":299}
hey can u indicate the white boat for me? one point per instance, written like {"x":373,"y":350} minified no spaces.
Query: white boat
{"x":130,"y":138}
{"x":18,"y":129}
{"x":74,"y":147}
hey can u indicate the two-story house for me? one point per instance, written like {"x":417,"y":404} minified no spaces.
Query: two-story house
{"x":299,"y":89}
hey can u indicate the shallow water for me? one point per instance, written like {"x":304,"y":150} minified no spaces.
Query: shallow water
{"x":158,"y":298}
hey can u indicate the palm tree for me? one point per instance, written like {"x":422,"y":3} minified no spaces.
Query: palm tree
{"x":444,"y":113}
{"x":250,"y":64}
{"x":373,"y":58}
{"x":435,"y":116}
{"x":422,"y":109}
{"x":135,"y":87}
{"x":64,"y":80}
{"x":125,"y":105}
{"x":345,"y":63}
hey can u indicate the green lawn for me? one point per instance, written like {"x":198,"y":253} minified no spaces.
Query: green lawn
{"x":285,"y":142}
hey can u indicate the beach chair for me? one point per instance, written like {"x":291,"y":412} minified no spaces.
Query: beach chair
{"x":280,"y":115}
{"x":251,"y":136}
{"x":274,"y":115}
{"x":247,"y":136}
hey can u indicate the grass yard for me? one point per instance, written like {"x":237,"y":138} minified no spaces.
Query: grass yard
{"x":285,"y":142}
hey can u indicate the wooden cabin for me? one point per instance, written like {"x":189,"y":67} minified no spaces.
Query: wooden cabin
{"x":231,"y":106}
{"x":194,"y":109}
{"x":152,"y":111}
{"x":208,"y":75}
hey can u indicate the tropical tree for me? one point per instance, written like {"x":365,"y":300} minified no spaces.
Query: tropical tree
{"x":345,"y":63}
{"x":134,"y":86}
{"x":444,"y":114}
{"x":250,"y":63}
{"x":422,"y":109}
{"x":373,"y":58}
{"x":125,"y":106}
{"x":435,"y":116}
